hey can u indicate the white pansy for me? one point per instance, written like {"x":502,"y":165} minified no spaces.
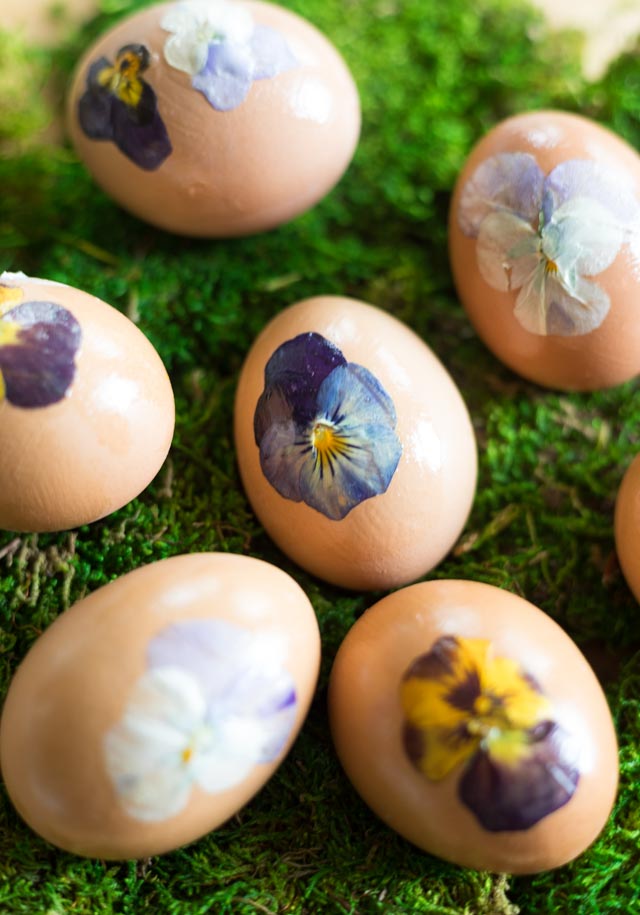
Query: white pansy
{"x":196,"y":24}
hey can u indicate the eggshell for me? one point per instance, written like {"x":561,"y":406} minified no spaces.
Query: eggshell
{"x":627,"y":526}
{"x":404,"y":428}
{"x":131,"y":726}
{"x":374,"y":744}
{"x":254,"y":165}
{"x":544,"y":240}
{"x":88,"y":413}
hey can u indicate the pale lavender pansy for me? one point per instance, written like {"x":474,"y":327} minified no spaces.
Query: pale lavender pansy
{"x":218,"y":44}
{"x":215,"y":701}
{"x":545,"y":236}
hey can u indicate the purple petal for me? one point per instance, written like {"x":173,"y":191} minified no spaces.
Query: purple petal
{"x":140,"y":133}
{"x":227,"y":76}
{"x":271,"y":53}
{"x":586,"y":178}
{"x":95,"y":105}
{"x":515,"y":797}
{"x":508,"y":181}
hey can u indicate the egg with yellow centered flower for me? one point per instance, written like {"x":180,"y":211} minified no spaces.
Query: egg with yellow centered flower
{"x":472,"y":725}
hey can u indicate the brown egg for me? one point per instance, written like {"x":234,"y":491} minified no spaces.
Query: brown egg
{"x":473,"y":726}
{"x":354,"y":444}
{"x":545,"y":249}
{"x":86,"y":407}
{"x":627,"y":526}
{"x":151,"y":711}
{"x":214,"y":117}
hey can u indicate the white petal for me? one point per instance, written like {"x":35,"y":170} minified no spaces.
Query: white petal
{"x":186,"y":52}
{"x":573,"y":315}
{"x":219,"y":770}
{"x":531,"y":304}
{"x":504,"y":240}
{"x":582,"y":237}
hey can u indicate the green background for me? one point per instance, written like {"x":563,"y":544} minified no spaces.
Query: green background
{"x":433,"y":77}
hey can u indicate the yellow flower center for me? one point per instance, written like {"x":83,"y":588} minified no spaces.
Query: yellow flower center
{"x":122,"y":80}
{"x":10,"y":296}
{"x":328,"y":445}
{"x":187,"y":754}
{"x":550,"y":267}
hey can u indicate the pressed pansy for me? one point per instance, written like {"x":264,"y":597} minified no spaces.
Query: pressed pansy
{"x":546,"y":236}
{"x":215,"y":701}
{"x":38,"y":346}
{"x":119,"y":105}
{"x":217,"y":43}
{"x":464,"y":707}
{"x":325,"y":428}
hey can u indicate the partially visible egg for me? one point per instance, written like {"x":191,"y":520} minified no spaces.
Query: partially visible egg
{"x":86,"y":407}
{"x":155,"y":708}
{"x":627,"y":526}
{"x":544,"y":240}
{"x":214,"y":117}
{"x":473,"y":726}
{"x":354,"y":444}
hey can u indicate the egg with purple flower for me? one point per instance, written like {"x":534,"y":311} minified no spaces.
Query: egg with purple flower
{"x":155,"y":708}
{"x":214,"y":118}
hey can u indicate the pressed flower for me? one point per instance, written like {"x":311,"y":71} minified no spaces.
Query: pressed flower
{"x":119,"y":105}
{"x":38,"y":346}
{"x":325,"y":428}
{"x":214,"y":701}
{"x":465,"y":707}
{"x":218,"y":45}
{"x":546,"y":236}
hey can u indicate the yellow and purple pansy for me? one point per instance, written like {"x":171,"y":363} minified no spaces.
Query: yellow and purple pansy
{"x":217,"y":43}
{"x":120,"y":106}
{"x":464,"y":707}
{"x":38,"y":346}
{"x":214,"y":701}
{"x":545,"y":236}
{"x":325,"y":428}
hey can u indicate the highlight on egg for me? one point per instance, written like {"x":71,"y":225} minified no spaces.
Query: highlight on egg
{"x":154,"y":709}
{"x":86,"y":407}
{"x":354,"y":445}
{"x":544,"y":241}
{"x":473,"y":726}
{"x":214,"y":118}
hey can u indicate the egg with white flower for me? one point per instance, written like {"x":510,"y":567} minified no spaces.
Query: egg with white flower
{"x":544,"y":239}
{"x":155,"y":708}
{"x":354,"y":444}
{"x":214,"y":118}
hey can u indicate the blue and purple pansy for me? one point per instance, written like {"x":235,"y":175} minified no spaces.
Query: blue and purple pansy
{"x":120,"y":106}
{"x":325,"y":427}
{"x":38,"y":346}
{"x":217,"y":43}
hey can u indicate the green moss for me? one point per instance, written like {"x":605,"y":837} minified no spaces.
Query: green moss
{"x":433,"y":77}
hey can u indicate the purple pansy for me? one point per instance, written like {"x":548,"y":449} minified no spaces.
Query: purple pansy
{"x":214,"y":701}
{"x":325,"y":427}
{"x":222,"y":50}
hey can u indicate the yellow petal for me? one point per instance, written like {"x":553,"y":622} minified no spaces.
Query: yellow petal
{"x":425,"y":706}
{"x":522,"y":704}
{"x":10,"y":296}
{"x":442,"y":752}
{"x":9,"y":332}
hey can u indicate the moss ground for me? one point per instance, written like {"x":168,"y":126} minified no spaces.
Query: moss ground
{"x":433,"y":77}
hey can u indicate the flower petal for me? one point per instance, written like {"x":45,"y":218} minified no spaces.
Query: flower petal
{"x":186,"y":52}
{"x":581,"y":238}
{"x":282,"y":456}
{"x":510,"y":182}
{"x":531,"y":304}
{"x":39,"y":366}
{"x":95,"y":105}
{"x":197,"y":24}
{"x":580,"y":313}
{"x":227,"y":75}
{"x":613,"y":190}
{"x":507,"y":250}
{"x":540,"y":775}
{"x":144,"y":140}
{"x":271,"y":53}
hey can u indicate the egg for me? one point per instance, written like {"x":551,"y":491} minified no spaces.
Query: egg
{"x":86,"y":407}
{"x":214,"y":118}
{"x":544,"y":240}
{"x":155,"y":708}
{"x":354,"y":445}
{"x":473,"y":726}
{"x":627,"y":526}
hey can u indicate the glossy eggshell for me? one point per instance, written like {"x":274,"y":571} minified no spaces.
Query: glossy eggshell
{"x":627,"y":526}
{"x":601,"y":358}
{"x":398,"y":535}
{"x":95,"y":450}
{"x":367,"y":723}
{"x":74,"y":685}
{"x":231,"y":172}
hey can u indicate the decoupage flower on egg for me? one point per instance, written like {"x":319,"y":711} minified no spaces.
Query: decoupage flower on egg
{"x":325,"y":428}
{"x":38,"y":346}
{"x":119,"y":105}
{"x":546,"y":236}
{"x":465,"y":707}
{"x":219,"y":46}
{"x":215,"y":700}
